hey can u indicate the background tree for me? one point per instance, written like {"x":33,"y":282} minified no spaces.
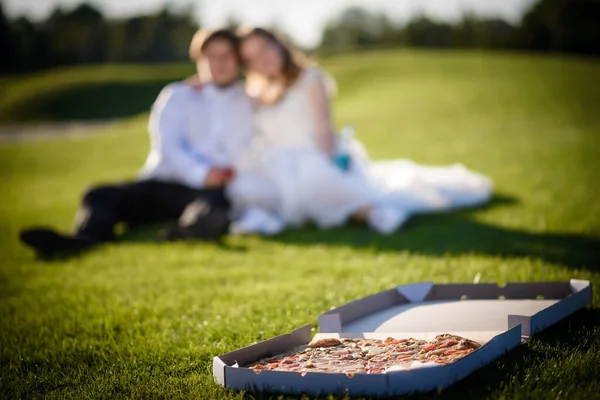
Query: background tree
{"x":562,"y":25}
{"x":76,"y":37}
{"x":357,"y":29}
{"x":425,"y":32}
{"x":7,"y":44}
{"x":30,"y":53}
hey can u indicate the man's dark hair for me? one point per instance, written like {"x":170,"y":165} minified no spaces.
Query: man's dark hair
{"x":202,"y":39}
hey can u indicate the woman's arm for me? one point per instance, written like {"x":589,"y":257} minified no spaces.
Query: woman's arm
{"x":321,"y":111}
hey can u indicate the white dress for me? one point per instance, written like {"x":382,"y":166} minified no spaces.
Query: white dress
{"x":289,"y":175}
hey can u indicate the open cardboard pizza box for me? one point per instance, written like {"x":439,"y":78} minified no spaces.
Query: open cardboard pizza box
{"x":498,"y":317}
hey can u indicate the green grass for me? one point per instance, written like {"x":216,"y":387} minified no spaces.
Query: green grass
{"x":139,"y":319}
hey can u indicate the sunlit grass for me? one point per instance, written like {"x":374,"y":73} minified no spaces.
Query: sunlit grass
{"x":139,"y":319}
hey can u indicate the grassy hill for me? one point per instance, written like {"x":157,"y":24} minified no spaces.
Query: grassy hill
{"x":84,"y":93}
{"x":139,"y":319}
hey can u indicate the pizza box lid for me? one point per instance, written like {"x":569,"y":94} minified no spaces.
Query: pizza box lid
{"x":499,"y":317}
{"x":429,"y":307}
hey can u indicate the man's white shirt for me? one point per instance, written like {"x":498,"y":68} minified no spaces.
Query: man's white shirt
{"x":194,"y":130}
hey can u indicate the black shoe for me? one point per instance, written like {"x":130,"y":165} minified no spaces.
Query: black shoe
{"x":210,"y":225}
{"x":169,"y":234}
{"x":48,"y":242}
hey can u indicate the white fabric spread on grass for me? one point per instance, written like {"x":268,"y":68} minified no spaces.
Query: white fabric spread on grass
{"x":290,"y":176}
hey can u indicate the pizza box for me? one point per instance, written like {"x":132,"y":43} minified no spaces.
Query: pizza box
{"x":498,"y":317}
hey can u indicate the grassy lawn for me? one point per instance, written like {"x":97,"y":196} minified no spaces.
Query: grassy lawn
{"x":138,"y":319}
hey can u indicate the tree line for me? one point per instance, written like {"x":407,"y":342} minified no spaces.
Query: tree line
{"x":84,"y":35}
{"x":566,"y":26}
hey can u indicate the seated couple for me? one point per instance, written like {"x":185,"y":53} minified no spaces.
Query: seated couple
{"x":256,"y":156}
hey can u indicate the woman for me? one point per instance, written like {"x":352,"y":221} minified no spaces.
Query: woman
{"x":292,"y":178}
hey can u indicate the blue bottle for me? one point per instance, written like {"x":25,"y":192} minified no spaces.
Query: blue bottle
{"x":342,"y":156}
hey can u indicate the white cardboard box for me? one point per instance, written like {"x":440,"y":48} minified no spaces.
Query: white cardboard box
{"x":498,"y":317}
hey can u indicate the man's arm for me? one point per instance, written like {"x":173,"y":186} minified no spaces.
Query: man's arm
{"x":242,"y":132}
{"x":167,"y":127}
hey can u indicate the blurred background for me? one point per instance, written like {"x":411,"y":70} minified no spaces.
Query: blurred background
{"x":40,"y":38}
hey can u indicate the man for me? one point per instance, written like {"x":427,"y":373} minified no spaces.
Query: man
{"x":198,"y":135}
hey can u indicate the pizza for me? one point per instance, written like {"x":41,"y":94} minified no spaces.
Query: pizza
{"x":370,"y":356}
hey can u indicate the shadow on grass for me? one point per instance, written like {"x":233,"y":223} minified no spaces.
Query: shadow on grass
{"x":568,"y":338}
{"x":434,"y":235}
{"x":456,"y":234}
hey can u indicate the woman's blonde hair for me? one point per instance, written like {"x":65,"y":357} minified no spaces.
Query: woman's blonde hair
{"x":294,"y":62}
